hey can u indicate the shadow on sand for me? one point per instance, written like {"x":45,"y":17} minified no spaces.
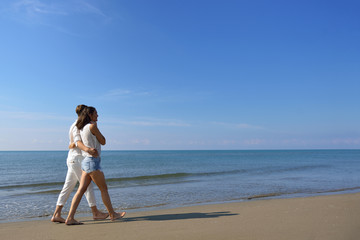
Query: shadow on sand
{"x":167,"y":217}
{"x":180,"y":216}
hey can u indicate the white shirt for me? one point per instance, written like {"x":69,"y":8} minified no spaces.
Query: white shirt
{"x":89,"y":140}
{"x":74,"y":136}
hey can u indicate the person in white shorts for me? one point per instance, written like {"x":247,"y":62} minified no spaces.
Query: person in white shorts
{"x":74,"y":172}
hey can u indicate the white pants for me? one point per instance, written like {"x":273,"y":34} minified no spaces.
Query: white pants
{"x":72,"y":177}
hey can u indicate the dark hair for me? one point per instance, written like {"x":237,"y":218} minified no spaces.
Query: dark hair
{"x":80,"y":108}
{"x":84,"y":117}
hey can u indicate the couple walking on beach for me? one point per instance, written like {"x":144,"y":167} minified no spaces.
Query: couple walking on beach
{"x":83,"y":163}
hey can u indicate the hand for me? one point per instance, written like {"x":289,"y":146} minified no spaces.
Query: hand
{"x":93,"y":152}
{"x":72,"y":145}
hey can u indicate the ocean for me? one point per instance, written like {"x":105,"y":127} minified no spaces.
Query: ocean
{"x":30,"y":181}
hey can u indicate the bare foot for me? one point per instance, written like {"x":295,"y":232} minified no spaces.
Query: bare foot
{"x":73,"y":222}
{"x":117,"y":216}
{"x":57,"y":219}
{"x":100,"y":216}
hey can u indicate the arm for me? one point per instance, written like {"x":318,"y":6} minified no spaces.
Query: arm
{"x":74,"y":136}
{"x":94,"y":130}
{"x":72,"y":145}
{"x":92,"y":151}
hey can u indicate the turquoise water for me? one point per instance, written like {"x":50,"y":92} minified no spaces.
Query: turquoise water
{"x":141,"y":180}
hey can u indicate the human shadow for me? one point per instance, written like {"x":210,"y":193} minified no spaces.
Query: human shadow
{"x":165,"y":217}
{"x":179,"y":216}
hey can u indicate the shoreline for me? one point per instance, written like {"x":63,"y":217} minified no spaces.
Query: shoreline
{"x":161,"y":207}
{"x":331,"y":216}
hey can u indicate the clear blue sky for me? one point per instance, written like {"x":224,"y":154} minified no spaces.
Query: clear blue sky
{"x":189,"y":74}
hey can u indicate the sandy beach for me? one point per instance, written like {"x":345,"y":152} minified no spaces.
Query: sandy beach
{"x":329,"y":217}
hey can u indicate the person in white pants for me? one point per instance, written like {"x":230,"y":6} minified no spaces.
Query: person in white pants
{"x":74,"y":174}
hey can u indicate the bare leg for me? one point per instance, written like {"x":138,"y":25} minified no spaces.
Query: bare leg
{"x":57,"y":215}
{"x":84,"y":183}
{"x":99,"y":179}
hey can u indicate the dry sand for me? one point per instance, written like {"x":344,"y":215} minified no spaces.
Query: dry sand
{"x":333,"y":217}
